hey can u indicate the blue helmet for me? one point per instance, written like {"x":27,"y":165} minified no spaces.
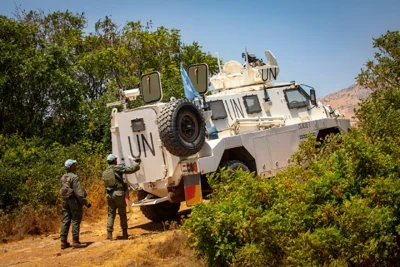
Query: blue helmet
{"x":69,"y":163}
{"x":111,"y":157}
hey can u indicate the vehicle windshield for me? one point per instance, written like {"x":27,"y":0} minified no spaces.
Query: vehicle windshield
{"x":295,"y":98}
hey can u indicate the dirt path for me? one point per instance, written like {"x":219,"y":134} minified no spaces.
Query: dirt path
{"x":149,"y":244}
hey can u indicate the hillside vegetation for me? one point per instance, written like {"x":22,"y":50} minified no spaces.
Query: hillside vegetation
{"x":55,"y":82}
{"x":342,"y":210}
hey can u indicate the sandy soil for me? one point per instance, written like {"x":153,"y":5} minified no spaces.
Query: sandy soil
{"x":149,"y":244}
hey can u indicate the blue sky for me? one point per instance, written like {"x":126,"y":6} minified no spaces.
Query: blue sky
{"x":320,"y":43}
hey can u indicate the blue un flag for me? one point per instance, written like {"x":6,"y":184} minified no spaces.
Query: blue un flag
{"x":190,"y":91}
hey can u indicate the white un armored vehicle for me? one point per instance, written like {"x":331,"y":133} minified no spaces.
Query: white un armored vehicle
{"x":249,"y":123}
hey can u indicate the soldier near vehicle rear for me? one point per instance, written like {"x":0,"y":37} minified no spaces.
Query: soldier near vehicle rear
{"x":74,"y":197}
{"x":115,"y":190}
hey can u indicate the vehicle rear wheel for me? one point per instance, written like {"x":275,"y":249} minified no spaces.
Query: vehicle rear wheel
{"x":159,"y":212}
{"x":182,"y":128}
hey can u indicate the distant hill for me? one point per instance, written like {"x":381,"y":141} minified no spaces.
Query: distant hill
{"x":346,"y":100}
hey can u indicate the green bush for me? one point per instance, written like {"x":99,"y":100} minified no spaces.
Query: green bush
{"x":30,"y":171}
{"x":342,"y":210}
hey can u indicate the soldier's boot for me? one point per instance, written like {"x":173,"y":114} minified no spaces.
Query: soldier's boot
{"x":77,"y":244}
{"x":65,"y":244}
{"x":124,"y":234}
{"x":109,"y":235}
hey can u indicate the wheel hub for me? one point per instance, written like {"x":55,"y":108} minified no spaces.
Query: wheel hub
{"x":188,"y":126}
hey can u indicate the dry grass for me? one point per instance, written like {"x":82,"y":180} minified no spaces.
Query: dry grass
{"x":97,"y":197}
{"x":42,"y":220}
{"x":28,"y":221}
{"x":172,"y":247}
{"x":170,"y":252}
{"x":166,"y":249}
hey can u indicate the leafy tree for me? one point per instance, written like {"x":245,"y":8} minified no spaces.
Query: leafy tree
{"x":115,"y":59}
{"x":384,"y":72}
{"x":380,"y":112}
{"x":38,"y":91}
{"x":56,"y":80}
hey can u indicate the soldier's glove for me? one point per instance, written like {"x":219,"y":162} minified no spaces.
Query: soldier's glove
{"x":137,"y":160}
{"x":89,"y":205}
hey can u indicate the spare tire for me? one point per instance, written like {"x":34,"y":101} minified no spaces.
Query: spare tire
{"x":182,"y":128}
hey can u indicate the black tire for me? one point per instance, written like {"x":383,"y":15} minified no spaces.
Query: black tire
{"x":231,"y":165}
{"x":234,"y":165}
{"x":159,"y":212}
{"x":182,"y":128}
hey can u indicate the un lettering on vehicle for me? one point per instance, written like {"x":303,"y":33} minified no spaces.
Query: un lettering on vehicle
{"x":235,"y":107}
{"x":142,"y":143}
{"x":269,"y":74}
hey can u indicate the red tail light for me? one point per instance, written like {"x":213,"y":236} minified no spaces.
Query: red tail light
{"x":189,"y":167}
{"x":193,"y":167}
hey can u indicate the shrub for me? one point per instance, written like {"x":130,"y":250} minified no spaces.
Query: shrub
{"x":30,"y":175}
{"x":342,"y":210}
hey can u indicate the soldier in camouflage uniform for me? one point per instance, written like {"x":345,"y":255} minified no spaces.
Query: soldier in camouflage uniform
{"x":74,"y":197}
{"x":115,"y":189}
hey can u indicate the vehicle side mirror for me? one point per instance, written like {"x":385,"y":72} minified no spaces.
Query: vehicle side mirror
{"x":198,"y":75}
{"x":150,"y":87}
{"x":313,"y":98}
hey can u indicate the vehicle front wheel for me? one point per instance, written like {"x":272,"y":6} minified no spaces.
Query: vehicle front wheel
{"x":234,"y":165}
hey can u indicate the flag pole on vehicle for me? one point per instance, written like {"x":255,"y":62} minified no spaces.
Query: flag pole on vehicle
{"x":190,"y":91}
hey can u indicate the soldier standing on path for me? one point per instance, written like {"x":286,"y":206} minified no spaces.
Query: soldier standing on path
{"x":115,"y":189}
{"x":74,"y":197}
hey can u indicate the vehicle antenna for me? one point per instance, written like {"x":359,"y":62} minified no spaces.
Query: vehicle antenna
{"x":219,"y":64}
{"x":247,"y":58}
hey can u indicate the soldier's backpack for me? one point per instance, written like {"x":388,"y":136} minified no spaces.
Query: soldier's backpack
{"x":66,"y":190}
{"x":109,"y":178}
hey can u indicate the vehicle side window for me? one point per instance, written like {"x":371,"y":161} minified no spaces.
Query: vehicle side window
{"x":252,"y":104}
{"x":295,"y":98}
{"x":218,"y":110}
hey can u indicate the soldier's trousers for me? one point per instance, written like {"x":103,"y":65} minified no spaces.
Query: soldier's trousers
{"x":116,"y":200}
{"x":71,"y":211}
